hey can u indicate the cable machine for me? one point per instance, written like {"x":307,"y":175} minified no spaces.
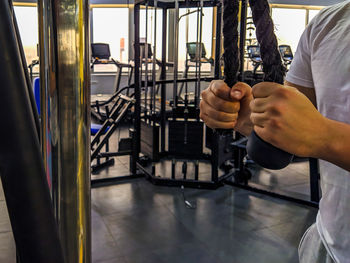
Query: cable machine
{"x":172,"y":135}
{"x":175,"y":136}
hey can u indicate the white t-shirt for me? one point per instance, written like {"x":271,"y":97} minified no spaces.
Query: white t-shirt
{"x":322,"y":62}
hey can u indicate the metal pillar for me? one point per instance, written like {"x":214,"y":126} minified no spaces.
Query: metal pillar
{"x":242,"y":38}
{"x":65,"y":86}
{"x":314,"y":180}
{"x":163,"y":77}
{"x":137,"y":112}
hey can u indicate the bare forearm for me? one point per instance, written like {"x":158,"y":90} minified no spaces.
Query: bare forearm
{"x":335,"y":147}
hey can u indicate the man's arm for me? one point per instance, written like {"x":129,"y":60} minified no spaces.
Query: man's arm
{"x":308,"y":92}
{"x":336,"y":149}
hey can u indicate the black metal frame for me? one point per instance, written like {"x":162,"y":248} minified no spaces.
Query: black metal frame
{"x":177,"y":111}
{"x":219,"y":145}
{"x":101,"y":139}
{"x":223,"y":146}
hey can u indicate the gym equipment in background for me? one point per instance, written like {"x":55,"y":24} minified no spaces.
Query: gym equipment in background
{"x":101,"y":55}
{"x":286,"y":54}
{"x":255,"y":76}
{"x":170,"y":136}
{"x":101,"y":138}
{"x":173,"y":138}
{"x":100,"y":103}
{"x":192,"y":51}
{"x":31,"y":66}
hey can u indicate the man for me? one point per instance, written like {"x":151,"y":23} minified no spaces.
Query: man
{"x":308,"y":116}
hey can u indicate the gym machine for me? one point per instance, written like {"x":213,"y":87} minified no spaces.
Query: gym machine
{"x":174,"y":139}
{"x":101,"y":139}
{"x":192,"y":61}
{"x":101,"y":55}
{"x":101,"y":103}
{"x":286,"y":54}
{"x":256,"y":76}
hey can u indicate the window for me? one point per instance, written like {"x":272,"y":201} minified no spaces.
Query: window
{"x":151,"y":28}
{"x":312,"y":14}
{"x":111,"y":26}
{"x":189,"y":23}
{"x":27,"y":19}
{"x":186,"y":22}
{"x":289,"y":31}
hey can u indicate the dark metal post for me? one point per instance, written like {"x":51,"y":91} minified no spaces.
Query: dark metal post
{"x":137,"y":107}
{"x":314,"y":180}
{"x":21,"y":167}
{"x":163,"y":77}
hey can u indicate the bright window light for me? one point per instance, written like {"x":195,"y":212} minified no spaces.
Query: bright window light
{"x":27,"y":19}
{"x":312,"y":14}
{"x":190,"y":22}
{"x":289,"y":25}
{"x":111,"y":26}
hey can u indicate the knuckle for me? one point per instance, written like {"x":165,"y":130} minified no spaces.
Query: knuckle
{"x":272,"y":109}
{"x":274,"y":123}
{"x":282,"y":92}
{"x":277,"y":109}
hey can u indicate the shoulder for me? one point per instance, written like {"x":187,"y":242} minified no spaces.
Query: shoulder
{"x":330,"y":12}
{"x":329,"y":19}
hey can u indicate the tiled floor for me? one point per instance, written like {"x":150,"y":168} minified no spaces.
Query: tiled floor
{"x":139,"y":222}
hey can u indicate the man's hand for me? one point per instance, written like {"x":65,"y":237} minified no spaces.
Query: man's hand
{"x":225,"y":108}
{"x":287,"y":119}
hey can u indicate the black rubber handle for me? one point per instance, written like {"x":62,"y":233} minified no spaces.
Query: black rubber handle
{"x":267,"y":155}
{"x":258,"y":150}
{"x":223,"y":131}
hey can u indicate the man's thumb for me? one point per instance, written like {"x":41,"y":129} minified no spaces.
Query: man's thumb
{"x":239,"y":90}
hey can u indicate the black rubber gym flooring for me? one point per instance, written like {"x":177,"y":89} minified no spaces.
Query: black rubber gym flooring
{"x":137,"y":222}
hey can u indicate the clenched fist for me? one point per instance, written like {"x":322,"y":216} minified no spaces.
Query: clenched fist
{"x":286,"y":118}
{"x":223,"y":107}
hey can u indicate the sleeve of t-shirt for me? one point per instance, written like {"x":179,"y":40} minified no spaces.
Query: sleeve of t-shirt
{"x":300,"y":70}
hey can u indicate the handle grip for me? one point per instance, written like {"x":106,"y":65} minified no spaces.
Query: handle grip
{"x":223,"y":131}
{"x":265,"y":154}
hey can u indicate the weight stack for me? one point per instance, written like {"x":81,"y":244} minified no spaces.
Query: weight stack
{"x":186,"y":139}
